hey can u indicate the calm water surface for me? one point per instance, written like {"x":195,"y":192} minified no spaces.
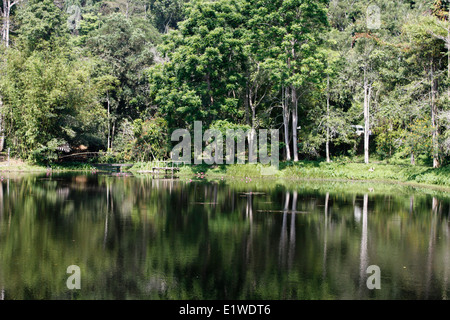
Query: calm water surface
{"x":135,"y":237}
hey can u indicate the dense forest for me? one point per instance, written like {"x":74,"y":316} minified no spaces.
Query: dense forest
{"x":338,"y":78}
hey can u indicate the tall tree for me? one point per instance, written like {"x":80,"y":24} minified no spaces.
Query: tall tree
{"x":426,"y":55}
{"x":125,"y":48}
{"x":288,"y":33}
{"x":205,"y":68}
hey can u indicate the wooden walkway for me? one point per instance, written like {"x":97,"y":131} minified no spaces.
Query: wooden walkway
{"x":163,"y":167}
{"x":157,"y":170}
{"x":159,"y":167}
{"x":112,"y":166}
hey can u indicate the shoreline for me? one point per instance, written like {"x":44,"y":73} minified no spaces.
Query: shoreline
{"x":414,"y":176}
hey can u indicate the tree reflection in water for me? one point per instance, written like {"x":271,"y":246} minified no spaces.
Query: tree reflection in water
{"x":135,"y":237}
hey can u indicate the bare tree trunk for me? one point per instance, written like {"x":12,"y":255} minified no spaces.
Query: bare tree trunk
{"x":8,"y":24}
{"x":294,"y":122}
{"x":252,"y":140}
{"x":246,"y":102}
{"x":433,"y":118}
{"x":367,"y":96}
{"x":252,"y":104}
{"x":2,"y":128}
{"x":4,"y":18}
{"x":327,"y":143}
{"x":112,"y":134}
{"x":6,"y":13}
{"x":448,"y":54}
{"x":286,"y":122}
{"x":3,"y":28}
{"x":294,"y":107}
{"x":108,"y":145}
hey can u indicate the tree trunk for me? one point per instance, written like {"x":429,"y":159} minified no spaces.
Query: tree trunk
{"x":246,"y":103}
{"x":112,"y":134}
{"x":4,"y":18}
{"x":413,"y":160}
{"x":448,"y":55}
{"x":7,"y":5}
{"x":108,"y":145}
{"x":252,"y":107}
{"x":294,"y":123}
{"x":286,"y":122}
{"x":2,"y":128}
{"x":208,"y":82}
{"x":252,"y":147}
{"x":8,"y":24}
{"x":434,"y":126}
{"x":367,"y":96}
{"x":327,"y":143}
{"x":6,"y":12}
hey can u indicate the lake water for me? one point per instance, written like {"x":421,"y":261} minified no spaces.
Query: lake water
{"x":134,"y":237}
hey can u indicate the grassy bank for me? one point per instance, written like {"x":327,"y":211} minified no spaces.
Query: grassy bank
{"x":288,"y":170}
{"x":16,"y":165}
{"x":321,"y":170}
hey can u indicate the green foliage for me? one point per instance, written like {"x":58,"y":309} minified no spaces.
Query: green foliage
{"x":152,"y":139}
{"x":47,"y":96}
{"x":387,"y":140}
{"x":139,"y":141}
{"x":136,"y":69}
{"x":285,"y":34}
{"x":41,"y":25}
{"x":204,"y":72}
{"x":417,"y":138}
{"x":107,"y":157}
{"x":224,"y":125}
{"x":167,"y":13}
{"x":125,"y":48}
